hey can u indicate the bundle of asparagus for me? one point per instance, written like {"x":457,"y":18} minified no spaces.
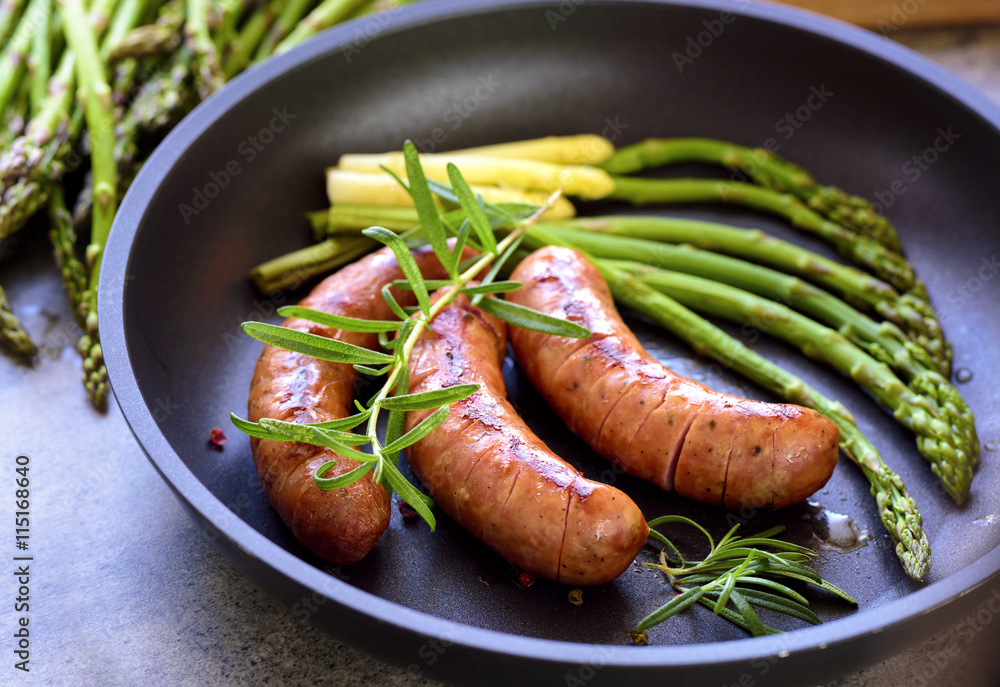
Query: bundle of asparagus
{"x":102,"y":83}
{"x":588,"y":179}
{"x":874,"y":324}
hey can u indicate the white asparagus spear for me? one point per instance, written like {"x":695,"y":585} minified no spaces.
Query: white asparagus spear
{"x":574,"y":180}
{"x":359,"y":188}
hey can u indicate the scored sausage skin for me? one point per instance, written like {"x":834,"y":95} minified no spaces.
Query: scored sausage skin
{"x":492,"y":475}
{"x":655,"y":424}
{"x":339,"y":525}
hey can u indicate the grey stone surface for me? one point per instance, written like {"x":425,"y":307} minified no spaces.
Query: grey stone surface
{"x":125,"y":591}
{"x":973,"y":53}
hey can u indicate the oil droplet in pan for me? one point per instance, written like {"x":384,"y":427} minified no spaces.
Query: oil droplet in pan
{"x":992,"y":445}
{"x":835,"y":531}
{"x":985,"y":521}
{"x":963,"y":375}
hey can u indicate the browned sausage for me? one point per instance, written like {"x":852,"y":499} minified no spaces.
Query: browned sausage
{"x":497,"y":479}
{"x":339,"y":525}
{"x":657,"y":425}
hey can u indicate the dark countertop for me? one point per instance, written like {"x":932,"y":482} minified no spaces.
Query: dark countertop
{"x":125,"y":590}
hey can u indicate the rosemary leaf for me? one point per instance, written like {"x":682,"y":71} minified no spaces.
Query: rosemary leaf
{"x":532,"y":319}
{"x":498,"y":265}
{"x":406,"y":263}
{"x":473,"y":226}
{"x":350,"y":477}
{"x":473,"y":210}
{"x":426,"y":400}
{"x":492,"y":287}
{"x":431,"y":284}
{"x":749,"y":615}
{"x":727,"y":589}
{"x":409,"y":493}
{"x":461,"y":241}
{"x":394,"y":305}
{"x":834,"y":589}
{"x":397,"y":418}
{"x":776,"y":586}
{"x":312,"y":435}
{"x":313,"y":345}
{"x":427,"y":210}
{"x":372,"y":371}
{"x":780,"y":604}
{"x":671,"y":608}
{"x":426,"y":426}
{"x":735,"y":618}
{"x":351,"y":324}
{"x":255,"y":430}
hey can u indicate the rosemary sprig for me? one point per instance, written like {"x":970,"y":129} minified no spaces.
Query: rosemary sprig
{"x":477,"y":232}
{"x":738,"y":574}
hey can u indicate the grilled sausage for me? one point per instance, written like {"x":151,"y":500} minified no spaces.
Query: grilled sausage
{"x":655,"y":424}
{"x":339,"y":525}
{"x":497,"y":479}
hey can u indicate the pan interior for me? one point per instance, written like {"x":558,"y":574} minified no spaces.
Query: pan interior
{"x":237,"y":196}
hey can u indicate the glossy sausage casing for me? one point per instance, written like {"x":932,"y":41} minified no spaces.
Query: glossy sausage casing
{"x":655,"y":424}
{"x":339,"y":525}
{"x":497,"y":479}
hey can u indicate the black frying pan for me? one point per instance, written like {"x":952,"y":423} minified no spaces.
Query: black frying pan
{"x":228,"y":188}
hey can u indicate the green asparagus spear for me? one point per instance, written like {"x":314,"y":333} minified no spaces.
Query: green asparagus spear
{"x":162,"y":101}
{"x":12,"y":332}
{"x":897,"y":510}
{"x":82,"y":215}
{"x":248,"y":39}
{"x":126,"y":133}
{"x":767,"y":169}
{"x":159,"y":38}
{"x":126,"y":70}
{"x":325,"y":15}
{"x":883,"y":263}
{"x":207,"y":68}
{"x":35,"y":161}
{"x":353,"y":218}
{"x":63,"y":236}
{"x":857,"y":287}
{"x":98,"y":109}
{"x":290,"y":15}
{"x":291,"y":270}
{"x":40,"y":58}
{"x":14,"y":120}
{"x":10,"y":12}
{"x":232,"y":11}
{"x":27,"y":169}
{"x":15,"y":52}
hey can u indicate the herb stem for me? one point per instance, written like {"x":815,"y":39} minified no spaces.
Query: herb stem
{"x":422,"y":321}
